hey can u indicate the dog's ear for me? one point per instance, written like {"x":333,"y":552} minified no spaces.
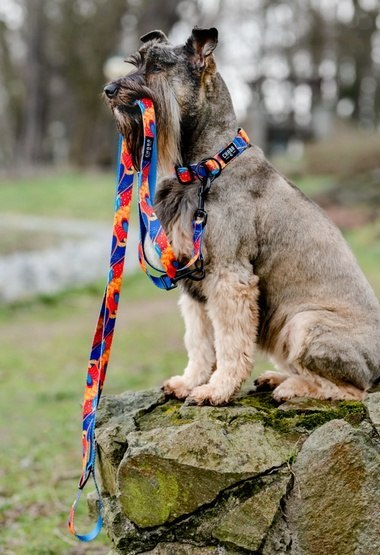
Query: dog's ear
{"x":201,"y":44}
{"x":154,"y":35}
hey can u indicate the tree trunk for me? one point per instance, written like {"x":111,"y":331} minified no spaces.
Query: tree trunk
{"x":36,"y":85}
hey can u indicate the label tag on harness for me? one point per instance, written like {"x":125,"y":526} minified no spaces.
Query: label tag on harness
{"x":229,"y":153}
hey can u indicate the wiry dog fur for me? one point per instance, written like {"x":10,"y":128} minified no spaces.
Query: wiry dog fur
{"x":278,"y":273}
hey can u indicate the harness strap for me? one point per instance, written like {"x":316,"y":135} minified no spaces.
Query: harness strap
{"x":213,"y":166}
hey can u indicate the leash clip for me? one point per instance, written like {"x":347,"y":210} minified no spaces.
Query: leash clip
{"x":206,"y":177}
{"x":200,"y":216}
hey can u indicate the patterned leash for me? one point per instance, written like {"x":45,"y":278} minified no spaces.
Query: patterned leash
{"x":164,"y":277}
{"x":102,"y":341}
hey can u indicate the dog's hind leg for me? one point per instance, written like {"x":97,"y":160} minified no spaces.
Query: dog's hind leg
{"x":316,"y":387}
{"x":232,"y":307}
{"x":326,"y":360}
{"x":199,"y":342}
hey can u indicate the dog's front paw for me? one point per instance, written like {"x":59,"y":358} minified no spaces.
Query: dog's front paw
{"x":208,"y":395}
{"x":297,"y":386}
{"x":285,"y":391}
{"x":176,"y":387}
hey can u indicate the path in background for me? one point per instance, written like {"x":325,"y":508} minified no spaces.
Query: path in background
{"x":77,"y":255}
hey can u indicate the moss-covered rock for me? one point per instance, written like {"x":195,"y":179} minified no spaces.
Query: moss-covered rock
{"x":181,"y":549}
{"x":372,"y":404}
{"x":335,"y":504}
{"x":183,"y":479}
{"x":247,"y":524}
{"x":169,"y":472}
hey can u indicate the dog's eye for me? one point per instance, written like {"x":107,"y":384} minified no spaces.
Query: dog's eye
{"x":154,"y":67}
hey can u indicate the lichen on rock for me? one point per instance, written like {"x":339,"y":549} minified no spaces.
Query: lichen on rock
{"x":249,"y":477}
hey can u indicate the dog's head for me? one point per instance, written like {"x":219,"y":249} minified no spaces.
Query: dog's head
{"x":176,"y":78}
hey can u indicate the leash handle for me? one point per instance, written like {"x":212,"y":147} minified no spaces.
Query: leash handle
{"x":146,"y":184}
{"x":99,"y":523}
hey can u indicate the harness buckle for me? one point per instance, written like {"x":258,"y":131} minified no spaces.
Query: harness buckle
{"x":195,"y":274}
{"x":168,"y":286}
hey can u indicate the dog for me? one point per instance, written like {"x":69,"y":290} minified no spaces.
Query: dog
{"x":279,"y":275}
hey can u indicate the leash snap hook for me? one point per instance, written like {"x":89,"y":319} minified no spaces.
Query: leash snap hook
{"x":200,"y":216}
{"x":206,"y":185}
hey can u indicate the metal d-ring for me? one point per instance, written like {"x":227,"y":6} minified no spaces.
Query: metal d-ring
{"x":209,"y":173}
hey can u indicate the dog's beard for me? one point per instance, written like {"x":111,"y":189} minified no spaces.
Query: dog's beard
{"x":168,"y":125}
{"x":129,"y":124}
{"x":129,"y":120}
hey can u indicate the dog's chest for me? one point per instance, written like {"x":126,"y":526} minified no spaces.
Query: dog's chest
{"x":175,"y":206}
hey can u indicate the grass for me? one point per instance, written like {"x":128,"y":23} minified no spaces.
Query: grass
{"x":64,"y":195}
{"x":44,"y":346}
{"x":365,"y":242}
{"x":86,"y":196}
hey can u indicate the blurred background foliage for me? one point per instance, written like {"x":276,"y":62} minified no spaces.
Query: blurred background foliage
{"x":299,"y":70}
{"x":305,"y":81}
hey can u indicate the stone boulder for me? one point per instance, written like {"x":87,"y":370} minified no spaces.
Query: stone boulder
{"x":301,"y":478}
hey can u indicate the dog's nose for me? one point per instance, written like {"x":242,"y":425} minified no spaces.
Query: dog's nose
{"x":111,"y":90}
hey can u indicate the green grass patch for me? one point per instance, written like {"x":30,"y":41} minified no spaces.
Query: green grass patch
{"x":87,"y":195}
{"x":66,"y":195}
{"x":313,"y":184}
{"x":365,"y":243}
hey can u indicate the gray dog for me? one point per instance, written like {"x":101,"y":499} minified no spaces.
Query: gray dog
{"x":279,"y":275}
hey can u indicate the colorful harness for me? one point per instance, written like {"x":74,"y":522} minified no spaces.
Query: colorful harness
{"x":206,"y":171}
{"x":214,"y":165}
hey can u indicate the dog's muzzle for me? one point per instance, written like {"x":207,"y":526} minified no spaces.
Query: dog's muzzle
{"x":125,"y":91}
{"x":111,"y":90}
